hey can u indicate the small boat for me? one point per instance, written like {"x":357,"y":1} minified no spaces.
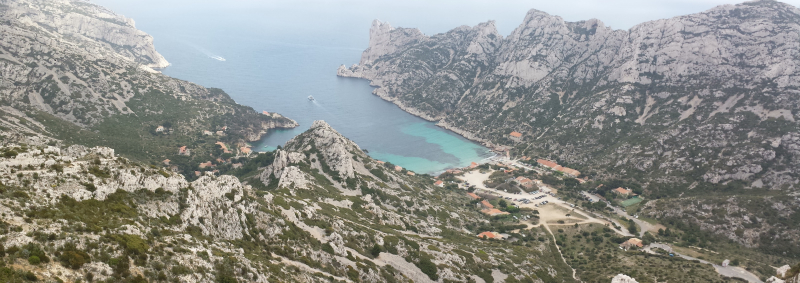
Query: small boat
{"x":311,"y":98}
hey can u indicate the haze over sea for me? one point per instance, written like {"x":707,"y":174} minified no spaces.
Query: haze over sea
{"x":272,"y":55}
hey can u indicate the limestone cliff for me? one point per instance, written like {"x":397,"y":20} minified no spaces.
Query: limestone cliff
{"x":702,"y":106}
{"x":708,"y":96}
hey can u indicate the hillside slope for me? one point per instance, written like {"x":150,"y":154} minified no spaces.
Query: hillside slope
{"x":325,"y":210}
{"x":699,"y":111}
{"x":85,"y":75}
{"x":704,"y":97}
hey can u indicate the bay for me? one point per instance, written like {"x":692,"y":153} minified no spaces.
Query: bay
{"x":272,"y":57}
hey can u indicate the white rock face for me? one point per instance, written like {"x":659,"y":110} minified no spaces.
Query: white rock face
{"x":73,"y":20}
{"x":622,"y":278}
{"x":210,"y":203}
{"x":334,"y":148}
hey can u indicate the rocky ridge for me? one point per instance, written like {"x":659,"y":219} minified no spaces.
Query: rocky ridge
{"x":85,"y":64}
{"x":351,"y":219}
{"x":708,"y":96}
{"x":701,"y":107}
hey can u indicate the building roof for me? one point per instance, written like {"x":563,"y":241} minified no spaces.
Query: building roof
{"x":622,"y":191}
{"x":515,"y":134}
{"x":222,"y":145}
{"x":439,"y":182}
{"x":473,"y":195}
{"x":398,"y":168}
{"x":473,"y":165}
{"x":487,"y":204}
{"x":634,"y":242}
{"x":166,"y":161}
{"x":265,"y":112}
{"x":547,"y":163}
{"x":487,"y":235}
{"x":410,"y":173}
{"x":493,"y":211}
{"x":244,"y":149}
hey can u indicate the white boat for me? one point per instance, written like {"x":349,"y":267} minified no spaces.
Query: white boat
{"x":310,"y":98}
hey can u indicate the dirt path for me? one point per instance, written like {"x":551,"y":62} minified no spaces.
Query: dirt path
{"x":574,"y":276}
{"x":729,"y":271}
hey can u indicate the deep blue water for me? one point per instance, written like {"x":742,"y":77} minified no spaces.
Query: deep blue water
{"x":275,"y":57}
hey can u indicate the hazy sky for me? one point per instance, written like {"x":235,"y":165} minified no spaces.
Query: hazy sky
{"x":434,"y":16}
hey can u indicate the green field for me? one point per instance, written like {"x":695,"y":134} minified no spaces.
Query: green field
{"x":630,"y":202}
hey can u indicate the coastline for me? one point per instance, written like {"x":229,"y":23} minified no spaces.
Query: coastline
{"x":440,"y":122}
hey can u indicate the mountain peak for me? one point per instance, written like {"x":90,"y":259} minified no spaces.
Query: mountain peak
{"x":333,"y":148}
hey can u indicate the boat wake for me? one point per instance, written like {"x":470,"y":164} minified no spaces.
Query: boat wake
{"x":209,"y":54}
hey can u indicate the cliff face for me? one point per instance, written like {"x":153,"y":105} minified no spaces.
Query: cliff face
{"x":704,"y":97}
{"x":75,"y":62}
{"x":703,"y":107}
{"x":89,"y":28}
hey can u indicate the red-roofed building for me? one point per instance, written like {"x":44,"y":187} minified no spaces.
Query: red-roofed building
{"x":245,"y":150}
{"x":439,"y":183}
{"x":486,"y":204}
{"x":166,"y":161}
{"x":515,"y":136}
{"x":623,"y":192}
{"x":493,"y":212}
{"x":473,"y":195}
{"x":554,"y":166}
{"x":398,"y":168}
{"x":473,"y":165}
{"x":265,"y":112}
{"x":491,"y":235}
{"x":184,"y":151}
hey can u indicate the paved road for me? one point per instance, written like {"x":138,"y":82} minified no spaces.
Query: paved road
{"x":729,"y":271}
{"x":643,"y":225}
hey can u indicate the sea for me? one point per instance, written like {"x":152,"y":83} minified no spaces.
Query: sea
{"x":272,"y":55}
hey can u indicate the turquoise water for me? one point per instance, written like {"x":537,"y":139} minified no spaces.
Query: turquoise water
{"x":272,"y":58}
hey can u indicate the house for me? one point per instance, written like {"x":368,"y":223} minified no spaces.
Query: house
{"x":630,"y":243}
{"x":491,"y":235}
{"x":244,"y":150}
{"x":554,"y":166}
{"x":623,"y":192}
{"x":473,"y":195}
{"x":398,"y":168}
{"x":206,"y":164}
{"x":515,"y":136}
{"x":380,"y":162}
{"x":223,"y":146}
{"x":493,"y":212}
{"x":486,"y":204}
{"x":197,"y":173}
{"x":265,"y":113}
{"x":473,"y":165}
{"x":160,"y":129}
{"x":166,"y":161}
{"x":184,"y":151}
{"x":411,"y":173}
{"x":525,"y":182}
{"x":439,"y":183}
{"x":726,"y":262}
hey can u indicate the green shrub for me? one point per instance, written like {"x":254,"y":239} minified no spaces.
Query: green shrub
{"x":34,"y":260}
{"x":73,"y":258}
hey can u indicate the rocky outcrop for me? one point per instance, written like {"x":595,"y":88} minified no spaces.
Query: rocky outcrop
{"x":334,"y":149}
{"x":622,"y":278}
